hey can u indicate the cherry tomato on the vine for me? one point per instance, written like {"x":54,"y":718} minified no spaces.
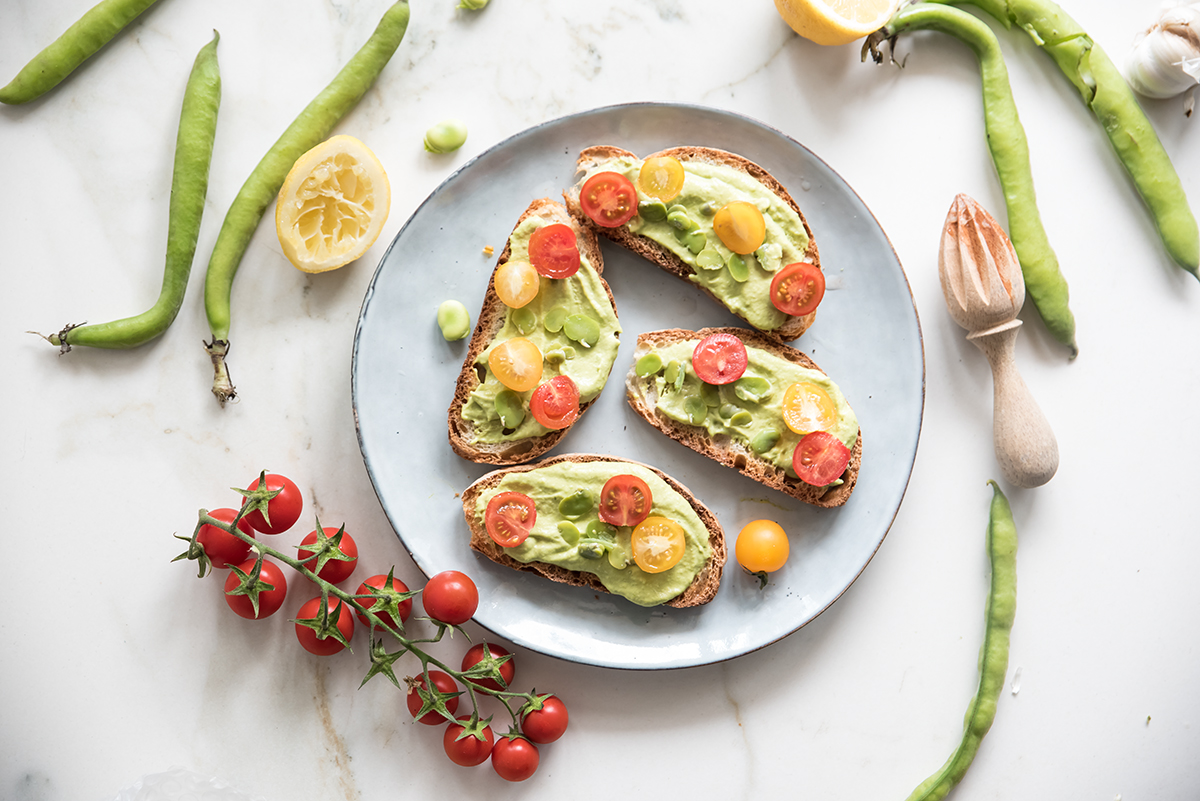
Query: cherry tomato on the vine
{"x":553,"y":251}
{"x":820,"y":458}
{"x":475,"y":654}
{"x":555,"y":403}
{"x":311,"y":640}
{"x":798,"y":288}
{"x":378,"y":582}
{"x":444,"y":683}
{"x":469,"y":750}
{"x":224,"y":549}
{"x":547,"y":724}
{"x":335,"y":571}
{"x":509,"y":518}
{"x":283,"y":510}
{"x":609,"y":199}
{"x":450,"y":597}
{"x":625,"y":500}
{"x":719,"y":359}
{"x":514,"y":759}
{"x":269,"y":600}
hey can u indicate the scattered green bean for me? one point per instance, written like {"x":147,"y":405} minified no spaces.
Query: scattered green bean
{"x":453,"y":319}
{"x":189,"y":186}
{"x":310,"y":128}
{"x":1105,"y":91}
{"x":993,"y":654}
{"x":77,"y":43}
{"x":1010,"y":155}
{"x":446,"y":136}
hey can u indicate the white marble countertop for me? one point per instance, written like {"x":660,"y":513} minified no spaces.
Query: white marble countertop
{"x":118,"y":663}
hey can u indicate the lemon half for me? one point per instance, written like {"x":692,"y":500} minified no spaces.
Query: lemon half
{"x":836,"y":22}
{"x":332,"y":205}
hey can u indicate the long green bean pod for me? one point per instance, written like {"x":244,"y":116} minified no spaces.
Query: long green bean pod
{"x":189,"y":186}
{"x":309,"y":129}
{"x":76,"y":44}
{"x":1105,"y":91}
{"x":993,"y":654}
{"x":1009,"y":148}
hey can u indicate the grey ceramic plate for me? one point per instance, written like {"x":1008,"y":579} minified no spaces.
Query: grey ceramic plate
{"x":867,"y":337}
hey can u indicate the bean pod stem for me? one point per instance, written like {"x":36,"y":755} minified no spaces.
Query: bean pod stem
{"x":993,"y":654}
{"x":1106,"y":93}
{"x":189,"y":187}
{"x":76,"y":44}
{"x":310,"y":128}
{"x":1009,"y":148}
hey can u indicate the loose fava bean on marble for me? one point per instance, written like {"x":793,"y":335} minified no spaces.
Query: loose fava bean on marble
{"x":311,"y":127}
{"x":446,"y":136}
{"x":189,"y":188}
{"x":993,"y":655}
{"x":79,"y":42}
{"x":1044,"y":281}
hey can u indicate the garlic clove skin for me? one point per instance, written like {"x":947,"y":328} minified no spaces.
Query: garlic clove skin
{"x":1165,"y":59}
{"x":978,"y":268}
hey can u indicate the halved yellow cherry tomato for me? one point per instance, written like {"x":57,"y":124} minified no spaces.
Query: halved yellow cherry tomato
{"x":658,"y":544}
{"x":516,"y":283}
{"x":517,"y":363}
{"x":740,"y":226}
{"x":762,"y":546}
{"x":807,"y":407}
{"x":661,"y":177}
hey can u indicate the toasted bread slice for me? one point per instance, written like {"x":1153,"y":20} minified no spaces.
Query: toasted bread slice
{"x":703,"y":587}
{"x":595,"y":157}
{"x":493,"y":317}
{"x":642,"y":395}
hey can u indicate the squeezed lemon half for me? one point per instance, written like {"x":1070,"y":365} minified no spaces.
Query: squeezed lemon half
{"x":332,"y":205}
{"x":835,"y":22}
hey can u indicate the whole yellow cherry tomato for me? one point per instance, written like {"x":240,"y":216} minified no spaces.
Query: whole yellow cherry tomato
{"x":517,"y":363}
{"x":807,"y":407}
{"x":740,"y":226}
{"x":658,"y":544}
{"x":762,"y":546}
{"x":516,"y":283}
{"x":661,"y":177}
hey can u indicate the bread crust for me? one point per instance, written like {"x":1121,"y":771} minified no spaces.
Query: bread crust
{"x":664,"y":258}
{"x":491,"y":320}
{"x":731,"y":453}
{"x":702,"y":589}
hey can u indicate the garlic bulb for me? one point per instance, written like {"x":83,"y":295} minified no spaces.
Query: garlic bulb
{"x":1165,"y":59}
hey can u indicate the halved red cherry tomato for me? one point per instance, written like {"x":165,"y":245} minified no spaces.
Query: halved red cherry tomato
{"x":553,"y":251}
{"x":555,"y":403}
{"x":609,"y":199}
{"x":719,"y":359}
{"x":625,"y":501}
{"x":798,"y":288}
{"x":509,"y":518}
{"x":820,"y":458}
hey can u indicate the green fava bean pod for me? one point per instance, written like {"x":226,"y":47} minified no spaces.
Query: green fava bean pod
{"x":999,"y":613}
{"x":77,"y":43}
{"x":1107,"y":94}
{"x":311,"y":127}
{"x":1044,"y":282}
{"x":189,"y":186}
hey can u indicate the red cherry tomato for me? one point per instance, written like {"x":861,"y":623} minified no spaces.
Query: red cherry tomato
{"x":378,"y":582}
{"x":509,"y":518}
{"x":450,"y":597}
{"x":547,"y":724}
{"x":820,"y":458}
{"x":311,"y":640}
{"x":719,"y":359}
{"x":514,"y":759}
{"x":335,"y":571}
{"x":553,"y":251}
{"x":798,"y":288}
{"x":444,"y":683}
{"x":609,"y":199}
{"x":470,"y":750}
{"x":625,"y":501}
{"x":224,"y":549}
{"x":475,"y":655}
{"x":283,"y":510}
{"x":269,"y":601}
{"x":555,"y":403}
